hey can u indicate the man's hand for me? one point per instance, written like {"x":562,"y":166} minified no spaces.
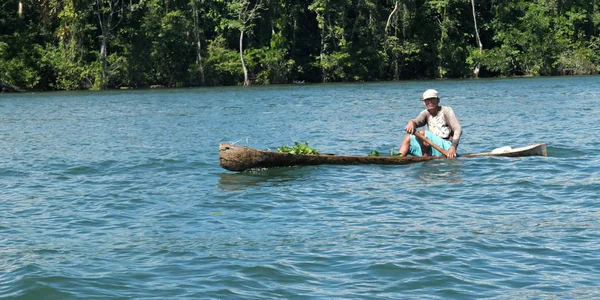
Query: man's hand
{"x":410,"y":127}
{"x":452,"y":152}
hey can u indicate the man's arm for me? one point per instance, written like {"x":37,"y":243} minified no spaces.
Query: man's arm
{"x":455,"y":126}
{"x":417,"y":122}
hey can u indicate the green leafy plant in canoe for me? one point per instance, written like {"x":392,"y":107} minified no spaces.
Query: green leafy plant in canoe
{"x":297,"y":148}
{"x":392,"y":153}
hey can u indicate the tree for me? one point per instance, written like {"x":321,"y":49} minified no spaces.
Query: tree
{"x":82,"y":44}
{"x":524,"y":34}
{"x":197,"y":35}
{"x":440,"y":8}
{"x":478,"y":39}
{"x":244,"y":14}
{"x":334,"y":57}
{"x":206,"y":16}
{"x":109,"y":13}
{"x":272,"y":61}
{"x":222,"y":64}
{"x":66,"y":58}
{"x":25,"y":28}
{"x":387,"y":24}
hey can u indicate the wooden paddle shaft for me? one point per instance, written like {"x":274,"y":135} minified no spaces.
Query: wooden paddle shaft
{"x":434,"y":145}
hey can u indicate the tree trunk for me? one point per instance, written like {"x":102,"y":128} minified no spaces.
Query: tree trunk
{"x":108,"y":13}
{"x":395,"y":56}
{"x":198,"y":46}
{"x":390,"y":17}
{"x":479,"y":44}
{"x":357,"y":19}
{"x":5,"y":87}
{"x":246,"y":79}
{"x":443,"y":36}
{"x":103,"y":55}
{"x":322,"y":55}
{"x":105,"y":22}
{"x":199,"y":61}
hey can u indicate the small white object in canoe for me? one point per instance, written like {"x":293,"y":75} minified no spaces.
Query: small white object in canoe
{"x":502,"y":149}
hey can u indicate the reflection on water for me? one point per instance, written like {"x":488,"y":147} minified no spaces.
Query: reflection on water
{"x":434,"y":172}
{"x":256,"y":177}
{"x":564,"y":152}
{"x":441,"y":172}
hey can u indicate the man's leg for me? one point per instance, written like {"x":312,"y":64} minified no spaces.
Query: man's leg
{"x":424,"y":146}
{"x":412,"y":146}
{"x":444,"y":144}
{"x":405,"y":146}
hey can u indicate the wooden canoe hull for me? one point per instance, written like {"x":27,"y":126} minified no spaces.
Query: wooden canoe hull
{"x":240,"y":158}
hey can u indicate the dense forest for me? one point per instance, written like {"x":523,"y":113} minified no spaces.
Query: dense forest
{"x":99,"y":44}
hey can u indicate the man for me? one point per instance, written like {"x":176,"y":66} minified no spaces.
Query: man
{"x":443,"y":129}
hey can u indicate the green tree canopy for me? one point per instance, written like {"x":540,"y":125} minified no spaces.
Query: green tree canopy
{"x":85,"y":44}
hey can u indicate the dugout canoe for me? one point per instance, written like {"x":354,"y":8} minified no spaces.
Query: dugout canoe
{"x":241,"y":158}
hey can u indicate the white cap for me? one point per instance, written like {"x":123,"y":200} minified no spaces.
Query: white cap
{"x":431,"y":93}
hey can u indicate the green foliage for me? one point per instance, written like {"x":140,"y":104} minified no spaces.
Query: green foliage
{"x":98,"y":80}
{"x":241,"y":13}
{"x":392,"y":153}
{"x":402,"y":58}
{"x":271,"y":64}
{"x":71,"y":72}
{"x":577,"y":56}
{"x":223,"y":65}
{"x":373,"y":153}
{"x":578,"y":62}
{"x":297,"y":148}
{"x":335,"y":65}
{"x":57,"y":44}
{"x":172,"y":50}
{"x":117,"y":68}
{"x":16,"y":72}
{"x":20,"y":69}
{"x":536,"y":39}
{"x":502,"y":60}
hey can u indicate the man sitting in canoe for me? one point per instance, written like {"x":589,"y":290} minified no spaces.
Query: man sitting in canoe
{"x":443,"y":129}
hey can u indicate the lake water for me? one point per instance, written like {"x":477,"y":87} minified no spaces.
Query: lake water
{"x":119,"y":194}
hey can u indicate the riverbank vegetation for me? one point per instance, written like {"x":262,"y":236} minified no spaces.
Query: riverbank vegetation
{"x":99,"y":44}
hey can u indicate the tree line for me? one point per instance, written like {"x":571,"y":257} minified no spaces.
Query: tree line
{"x":99,"y":44}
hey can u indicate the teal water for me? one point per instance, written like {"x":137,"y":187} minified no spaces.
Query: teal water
{"x":119,"y":195}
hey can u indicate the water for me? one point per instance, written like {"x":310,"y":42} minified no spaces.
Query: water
{"x":119,"y":195}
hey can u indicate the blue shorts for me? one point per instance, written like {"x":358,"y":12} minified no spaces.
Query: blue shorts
{"x":415,"y":148}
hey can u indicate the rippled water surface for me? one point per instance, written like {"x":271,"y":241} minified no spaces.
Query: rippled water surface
{"x":120,"y":195}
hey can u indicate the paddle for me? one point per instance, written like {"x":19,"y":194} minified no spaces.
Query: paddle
{"x":434,"y":145}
